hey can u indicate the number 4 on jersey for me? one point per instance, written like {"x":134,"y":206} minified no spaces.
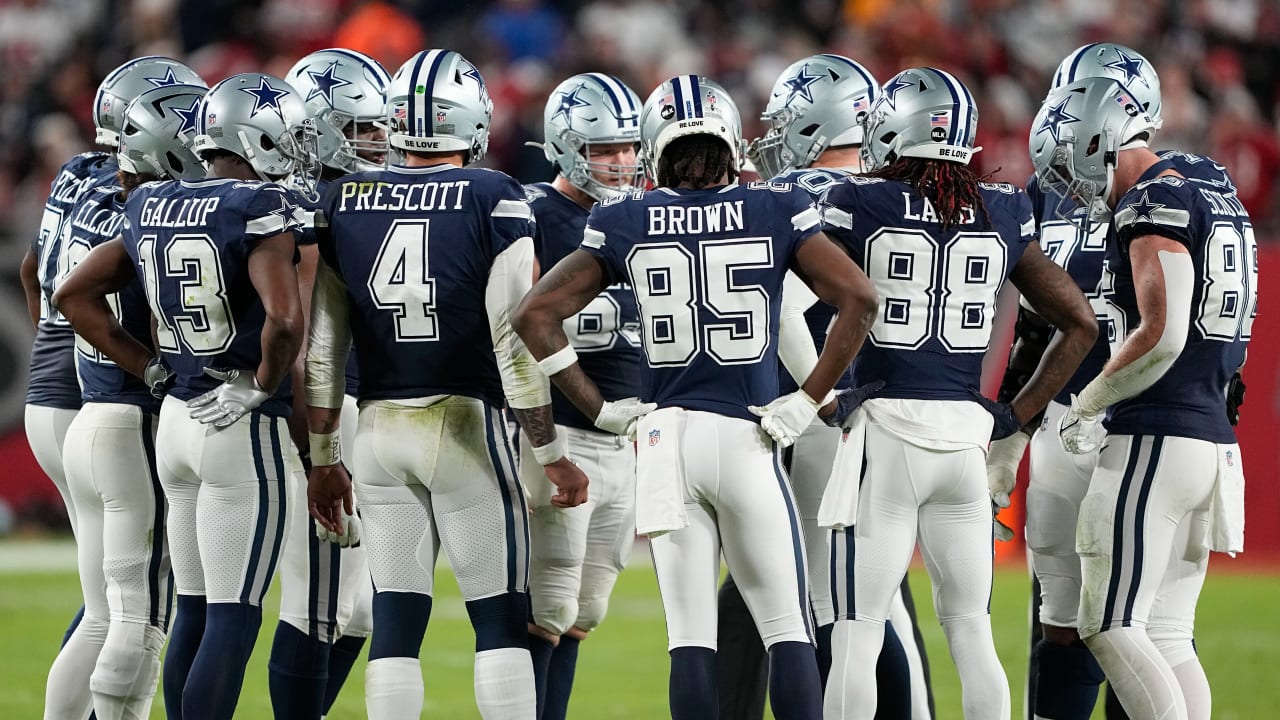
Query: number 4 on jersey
{"x":400,"y":281}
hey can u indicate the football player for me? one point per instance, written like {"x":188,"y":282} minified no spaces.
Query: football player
{"x":1180,"y":285}
{"x":815,"y":115}
{"x":705,"y":258}
{"x":1067,"y":676}
{"x":53,"y":393}
{"x":216,"y":258}
{"x":421,"y":266}
{"x":123,"y":557}
{"x":325,"y":593}
{"x":591,"y":134}
{"x":939,"y":245}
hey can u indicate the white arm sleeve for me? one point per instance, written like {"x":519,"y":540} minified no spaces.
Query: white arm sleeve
{"x":509,"y":281}
{"x":1106,"y":390}
{"x":795,"y":344}
{"x":329,"y":341}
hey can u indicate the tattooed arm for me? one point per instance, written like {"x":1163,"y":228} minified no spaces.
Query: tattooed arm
{"x":1056,"y":298}
{"x":561,"y":293}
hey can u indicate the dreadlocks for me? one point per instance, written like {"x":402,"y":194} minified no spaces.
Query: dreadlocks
{"x":130,"y":181}
{"x":697,"y":160}
{"x":949,"y":186}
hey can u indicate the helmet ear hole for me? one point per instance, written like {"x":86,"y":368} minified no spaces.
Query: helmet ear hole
{"x":267,"y":143}
{"x":809,"y":130}
{"x":1094,"y":143}
{"x":174,"y":162}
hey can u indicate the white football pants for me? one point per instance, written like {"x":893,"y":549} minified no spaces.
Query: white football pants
{"x":46,"y":429}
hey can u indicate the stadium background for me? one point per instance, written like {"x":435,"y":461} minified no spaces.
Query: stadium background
{"x":1218,"y":60}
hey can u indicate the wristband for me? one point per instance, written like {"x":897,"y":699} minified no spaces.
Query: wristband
{"x":326,"y":448}
{"x":549,"y":453}
{"x":558,"y":360}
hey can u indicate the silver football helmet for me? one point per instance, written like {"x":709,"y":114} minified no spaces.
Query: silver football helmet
{"x":159,"y":128}
{"x":437,"y":102}
{"x":1117,"y":62}
{"x":1077,"y":135}
{"x":343,"y":89}
{"x":586,"y":109}
{"x":262,"y":119}
{"x":921,"y":113}
{"x":129,"y":81}
{"x":817,"y":103}
{"x":688,"y":105}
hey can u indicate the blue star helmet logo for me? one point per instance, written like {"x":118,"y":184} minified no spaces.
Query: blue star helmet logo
{"x":569,"y":101}
{"x":1129,"y":65}
{"x":326,"y":82}
{"x":474,"y":74}
{"x":891,"y":90}
{"x":188,"y":116}
{"x":1056,"y":118}
{"x":801,"y":84}
{"x":265,"y":97}
{"x":1143,"y":209}
{"x":168,"y":79}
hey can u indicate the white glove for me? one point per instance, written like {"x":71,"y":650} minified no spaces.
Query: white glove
{"x":788,"y":416}
{"x":1003,"y":458}
{"x":238,"y":394}
{"x":620,"y":416}
{"x":1078,"y":430}
{"x":350,"y":536}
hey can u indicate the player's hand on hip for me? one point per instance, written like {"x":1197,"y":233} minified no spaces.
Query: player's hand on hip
{"x":1003,"y":458}
{"x":157,"y":376}
{"x":571,"y":483}
{"x":1078,"y":430}
{"x":1235,"y":398}
{"x":238,"y":394}
{"x":788,"y":416}
{"x":620,"y":416}
{"x":849,"y":400}
{"x":330,"y":502}
{"x":1006,"y":421}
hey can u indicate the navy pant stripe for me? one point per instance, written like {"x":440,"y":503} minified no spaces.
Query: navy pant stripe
{"x":1117,"y":531}
{"x":282,"y":475}
{"x":313,"y":582}
{"x":508,"y":520}
{"x":518,"y":490}
{"x":797,"y":543}
{"x":157,"y":573}
{"x":1139,"y":527}
{"x":833,"y":537}
{"x":260,"y":527}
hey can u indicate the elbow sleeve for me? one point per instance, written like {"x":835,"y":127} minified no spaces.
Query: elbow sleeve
{"x":510,"y":279}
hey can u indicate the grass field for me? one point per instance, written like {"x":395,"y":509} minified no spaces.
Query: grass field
{"x":623,"y":668}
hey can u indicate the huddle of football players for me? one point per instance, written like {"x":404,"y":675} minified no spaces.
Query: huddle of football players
{"x":782,"y":373}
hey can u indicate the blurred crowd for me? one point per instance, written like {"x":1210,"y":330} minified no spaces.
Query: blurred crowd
{"x":1218,"y":60}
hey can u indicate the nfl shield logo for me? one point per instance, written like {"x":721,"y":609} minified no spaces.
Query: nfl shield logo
{"x":439,"y":116}
{"x":1230,"y":460}
{"x":654,"y":437}
{"x":211,"y":119}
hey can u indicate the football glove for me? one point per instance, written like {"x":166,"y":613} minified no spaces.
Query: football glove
{"x":1078,"y":430}
{"x":620,"y":416}
{"x":157,"y":376}
{"x":1235,"y":398}
{"x":238,"y":394}
{"x":1006,"y":422}
{"x":1003,"y":459}
{"x":788,"y":416}
{"x":350,"y":536}
{"x":848,"y":400}
{"x":1002,"y":532}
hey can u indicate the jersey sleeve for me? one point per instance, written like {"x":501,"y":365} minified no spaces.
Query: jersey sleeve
{"x":1158,"y":207}
{"x":320,"y":220}
{"x":1025,"y":215}
{"x":806,"y":219}
{"x":595,"y":240}
{"x":510,"y":217}
{"x":837,"y":221}
{"x":269,"y":211}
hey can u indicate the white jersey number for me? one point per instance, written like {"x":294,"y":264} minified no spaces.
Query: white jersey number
{"x":671,"y":284}
{"x":74,"y":252}
{"x":1229,"y":301}
{"x":918,"y":302}
{"x":203,"y":324}
{"x":50,"y":238}
{"x":400,"y":281}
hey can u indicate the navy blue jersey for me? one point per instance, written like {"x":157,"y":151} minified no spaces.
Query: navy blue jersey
{"x":706,"y":268}
{"x":1188,"y":401}
{"x":819,"y":315}
{"x":52,"y":380}
{"x":96,"y":218}
{"x":937,"y":288}
{"x":191,"y":241}
{"x":414,"y":247}
{"x":1080,"y":248}
{"x":606,"y":333}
